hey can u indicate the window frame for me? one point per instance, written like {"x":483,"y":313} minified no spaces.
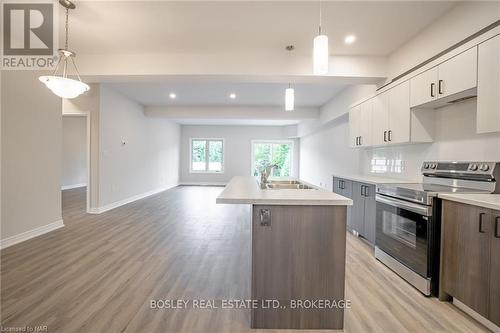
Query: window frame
{"x":207,"y":152}
{"x":273,"y":141}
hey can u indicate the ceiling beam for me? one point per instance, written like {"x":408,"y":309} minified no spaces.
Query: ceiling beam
{"x":231,"y":112}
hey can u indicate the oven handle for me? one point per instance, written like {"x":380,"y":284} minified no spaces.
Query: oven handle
{"x":416,"y":208}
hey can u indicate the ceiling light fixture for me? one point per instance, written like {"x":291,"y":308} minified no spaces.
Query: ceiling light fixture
{"x":61,"y":85}
{"x":232,"y":95}
{"x":289,"y":99}
{"x":289,"y":92}
{"x":349,"y":39}
{"x":320,"y":50}
{"x":172,"y":96}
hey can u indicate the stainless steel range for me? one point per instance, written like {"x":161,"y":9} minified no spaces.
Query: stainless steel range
{"x":408,"y":217}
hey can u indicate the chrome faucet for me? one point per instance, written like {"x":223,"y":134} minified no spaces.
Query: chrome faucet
{"x":265,"y":173}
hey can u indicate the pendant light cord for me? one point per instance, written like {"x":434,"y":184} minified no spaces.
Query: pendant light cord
{"x":320,"y":17}
{"x":66,"y":29}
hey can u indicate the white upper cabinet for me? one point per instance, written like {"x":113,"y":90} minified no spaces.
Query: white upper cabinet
{"x":424,"y":87}
{"x":380,"y":119}
{"x":458,"y":73}
{"x":360,"y":124}
{"x":440,"y":84}
{"x":354,"y":126}
{"x":365,"y":123}
{"x":488,"y":86}
{"x":391,"y":116}
{"x":399,"y":114}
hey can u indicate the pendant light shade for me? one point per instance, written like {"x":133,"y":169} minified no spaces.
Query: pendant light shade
{"x":320,"y":55}
{"x":64,"y":87}
{"x":289,"y":99}
{"x":61,"y":85}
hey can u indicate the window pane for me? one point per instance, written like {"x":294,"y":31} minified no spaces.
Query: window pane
{"x":198,"y":155}
{"x":262,"y":157}
{"x":215,"y":155}
{"x":281,"y":157}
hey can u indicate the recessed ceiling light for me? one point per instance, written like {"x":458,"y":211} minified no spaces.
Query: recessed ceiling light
{"x":232,"y":95}
{"x":349,"y":39}
{"x":172,"y":96}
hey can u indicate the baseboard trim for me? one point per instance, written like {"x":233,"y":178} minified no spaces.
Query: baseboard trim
{"x":99,"y":210}
{"x":490,"y":325}
{"x":203,"y":183}
{"x":69,"y":187}
{"x":9,"y":241}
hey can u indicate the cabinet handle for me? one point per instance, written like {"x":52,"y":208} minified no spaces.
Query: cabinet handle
{"x":366,"y":191}
{"x":497,"y":227}
{"x":385,"y":136}
{"x":481,"y":215}
{"x":343,"y":184}
{"x":360,"y":142}
{"x":440,"y":87}
{"x":389,"y":135}
{"x":432,"y":90}
{"x":356,"y":141}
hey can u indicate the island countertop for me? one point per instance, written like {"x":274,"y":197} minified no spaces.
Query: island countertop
{"x":246,"y":190}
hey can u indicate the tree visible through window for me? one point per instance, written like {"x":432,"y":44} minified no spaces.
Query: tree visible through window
{"x":272,"y":152}
{"x":207,"y":155}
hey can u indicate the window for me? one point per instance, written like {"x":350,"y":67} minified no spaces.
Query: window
{"x":272,"y":152}
{"x":207,"y":155}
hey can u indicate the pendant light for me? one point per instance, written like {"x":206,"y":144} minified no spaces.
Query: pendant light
{"x":289,"y":92}
{"x":289,"y":98}
{"x":320,"y":51}
{"x":61,"y":85}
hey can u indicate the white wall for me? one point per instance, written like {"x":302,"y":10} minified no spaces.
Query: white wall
{"x":460,"y":22}
{"x":74,"y":151}
{"x":149,"y":159}
{"x":31,"y":155}
{"x":326,"y":151}
{"x":238,"y":151}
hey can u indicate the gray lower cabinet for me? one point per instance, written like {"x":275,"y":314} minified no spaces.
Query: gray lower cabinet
{"x":344,"y":187}
{"x":361,"y":216}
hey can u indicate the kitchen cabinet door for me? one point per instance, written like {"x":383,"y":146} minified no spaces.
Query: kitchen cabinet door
{"x":358,"y":208}
{"x":458,"y":73}
{"x":494,"y":306}
{"x":365,"y":123}
{"x":399,"y":113}
{"x":423,"y":87}
{"x":370,"y":217}
{"x":380,"y":119}
{"x":466,"y":254}
{"x":354,"y":115}
{"x":488,"y":86}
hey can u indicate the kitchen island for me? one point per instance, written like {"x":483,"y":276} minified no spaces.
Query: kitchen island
{"x":298,"y":254}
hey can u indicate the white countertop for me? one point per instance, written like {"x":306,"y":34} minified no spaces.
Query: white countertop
{"x":246,"y":190}
{"x":375,"y":180}
{"x":491,"y":201}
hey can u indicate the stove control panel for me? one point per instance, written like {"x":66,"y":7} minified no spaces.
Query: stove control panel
{"x":454,"y":169}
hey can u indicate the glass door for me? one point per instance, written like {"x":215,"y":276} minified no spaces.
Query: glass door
{"x":404,"y":235}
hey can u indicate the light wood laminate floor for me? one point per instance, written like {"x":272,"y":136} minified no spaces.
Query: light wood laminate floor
{"x":99,"y":273}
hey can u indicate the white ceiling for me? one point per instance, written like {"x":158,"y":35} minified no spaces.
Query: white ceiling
{"x":209,"y":93}
{"x":133,"y":27}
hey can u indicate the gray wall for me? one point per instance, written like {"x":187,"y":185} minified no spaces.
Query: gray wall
{"x":149,"y":159}
{"x":237,"y":152}
{"x":31,"y":153}
{"x":74,"y":151}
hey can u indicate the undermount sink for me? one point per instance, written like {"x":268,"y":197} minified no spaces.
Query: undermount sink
{"x":287,"y":185}
{"x":284,"y":182}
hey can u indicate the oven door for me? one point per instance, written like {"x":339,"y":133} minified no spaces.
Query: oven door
{"x":403,"y":230}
